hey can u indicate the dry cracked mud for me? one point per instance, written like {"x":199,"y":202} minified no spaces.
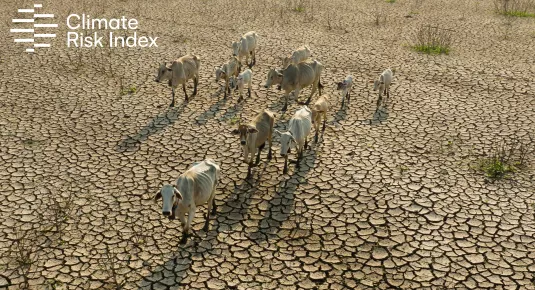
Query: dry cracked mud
{"x":383,"y":201}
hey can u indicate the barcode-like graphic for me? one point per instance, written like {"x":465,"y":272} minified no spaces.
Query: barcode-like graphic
{"x":36,"y":35}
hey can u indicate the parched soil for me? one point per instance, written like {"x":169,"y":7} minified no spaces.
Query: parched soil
{"x":386,"y":200}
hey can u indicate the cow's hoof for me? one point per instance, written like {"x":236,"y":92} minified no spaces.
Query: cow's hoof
{"x":184,"y":239}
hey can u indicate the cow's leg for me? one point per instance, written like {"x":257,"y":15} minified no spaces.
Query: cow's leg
{"x":258,"y":153}
{"x":285,"y":170}
{"x":214,"y":206}
{"x":378,"y":103}
{"x":286,"y":96}
{"x":249,"y":64}
{"x":249,"y":166}
{"x":182,"y":218}
{"x":324,"y":121}
{"x":314,"y":88}
{"x":316,"y":136}
{"x":270,"y":136}
{"x":300,"y":155}
{"x":249,"y":91}
{"x":173,"y":97}
{"x":226,"y":89}
{"x":254,"y":56}
{"x":191,"y":216}
{"x":195,"y":84}
{"x":208,"y":211}
{"x":185,"y":93}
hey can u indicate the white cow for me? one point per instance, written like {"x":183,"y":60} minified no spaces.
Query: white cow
{"x":383,"y":85}
{"x":299,"y":128}
{"x":345,"y":87}
{"x":299,"y":55}
{"x":245,"y":77}
{"x":246,"y":47}
{"x":193,"y":188}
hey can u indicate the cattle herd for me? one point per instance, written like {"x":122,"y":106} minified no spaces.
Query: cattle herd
{"x":197,"y":185}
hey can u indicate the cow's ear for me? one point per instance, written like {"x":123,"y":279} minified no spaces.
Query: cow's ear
{"x":178,"y":195}
{"x":235,"y":131}
{"x":158,"y":195}
{"x":252,"y":130}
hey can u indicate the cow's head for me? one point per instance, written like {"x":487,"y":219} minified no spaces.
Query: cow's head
{"x":236,"y":48}
{"x":379,"y":83}
{"x":170,"y":197}
{"x":286,"y":140}
{"x":164,"y":72}
{"x":274,"y":77}
{"x":316,"y":114}
{"x":219,"y":74}
{"x":244,"y":131}
{"x":341,"y":85}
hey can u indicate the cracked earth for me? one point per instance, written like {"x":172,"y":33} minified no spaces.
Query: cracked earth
{"x":383,"y":201}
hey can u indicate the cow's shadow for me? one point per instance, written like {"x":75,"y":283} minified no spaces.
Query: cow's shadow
{"x":380,"y":115}
{"x":278,"y":212}
{"x":341,"y":114}
{"x":211,"y":112}
{"x":132,"y":143}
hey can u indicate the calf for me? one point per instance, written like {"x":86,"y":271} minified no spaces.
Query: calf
{"x":299,"y":55}
{"x":345,"y":87}
{"x":244,"y":77}
{"x":319,"y":115}
{"x":383,"y":85}
{"x":227,"y":71}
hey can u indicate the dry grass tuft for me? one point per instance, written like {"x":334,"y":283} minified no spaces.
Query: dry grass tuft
{"x":506,"y":157}
{"x":433,"y":40}
{"x":515,"y":8}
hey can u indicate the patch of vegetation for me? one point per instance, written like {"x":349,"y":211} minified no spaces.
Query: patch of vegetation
{"x":495,"y":168}
{"x":23,"y":255}
{"x":402,"y":169}
{"x":431,"y":49}
{"x":129,"y":91}
{"x":518,"y":14}
{"x":390,"y":1}
{"x":234,"y":120}
{"x":298,"y":6}
{"x":433,"y":40}
{"x":506,"y":158}
{"x":52,"y":284}
{"x":515,"y":8}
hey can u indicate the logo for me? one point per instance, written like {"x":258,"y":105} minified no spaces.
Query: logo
{"x":36,"y":34}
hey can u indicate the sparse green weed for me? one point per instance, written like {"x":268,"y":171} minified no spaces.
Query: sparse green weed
{"x":433,"y":40}
{"x":234,"y":120}
{"x":515,"y":8}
